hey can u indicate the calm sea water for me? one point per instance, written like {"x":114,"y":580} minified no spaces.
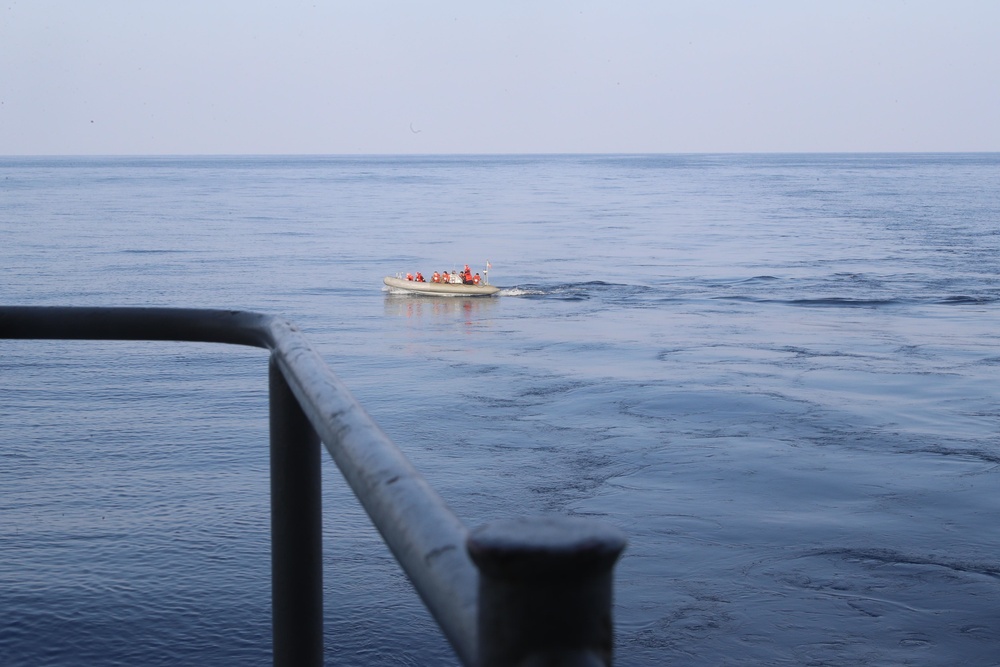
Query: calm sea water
{"x":778,"y":374}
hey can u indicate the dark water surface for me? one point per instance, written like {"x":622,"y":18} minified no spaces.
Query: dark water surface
{"x":778,"y":374}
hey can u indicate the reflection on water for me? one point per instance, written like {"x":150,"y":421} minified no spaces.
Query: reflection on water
{"x":417,"y":305}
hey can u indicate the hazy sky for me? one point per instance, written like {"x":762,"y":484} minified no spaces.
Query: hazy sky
{"x":510,"y":76}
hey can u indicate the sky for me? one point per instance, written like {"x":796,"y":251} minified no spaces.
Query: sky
{"x":185,"y":77}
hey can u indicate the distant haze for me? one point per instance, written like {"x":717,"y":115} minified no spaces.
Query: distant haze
{"x":387,"y":76}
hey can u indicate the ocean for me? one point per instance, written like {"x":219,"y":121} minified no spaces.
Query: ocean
{"x":777,"y":374}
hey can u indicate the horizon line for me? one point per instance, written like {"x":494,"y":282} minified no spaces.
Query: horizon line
{"x":487,"y":154}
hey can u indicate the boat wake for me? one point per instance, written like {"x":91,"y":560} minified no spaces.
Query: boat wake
{"x":521,"y":291}
{"x":581,"y":291}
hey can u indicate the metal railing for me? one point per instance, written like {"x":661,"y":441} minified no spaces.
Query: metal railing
{"x":524,"y":591}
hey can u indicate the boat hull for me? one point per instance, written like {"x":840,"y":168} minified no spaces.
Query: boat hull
{"x":440,"y":289}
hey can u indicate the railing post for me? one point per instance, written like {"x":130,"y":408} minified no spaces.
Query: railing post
{"x":545,"y":591}
{"x":296,"y":530}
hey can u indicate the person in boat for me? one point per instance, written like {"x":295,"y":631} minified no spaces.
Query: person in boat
{"x":445,"y":278}
{"x":475,"y":278}
{"x":436,"y":277}
{"x":409,"y":276}
{"x":467,"y":275}
{"x":420,"y":278}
